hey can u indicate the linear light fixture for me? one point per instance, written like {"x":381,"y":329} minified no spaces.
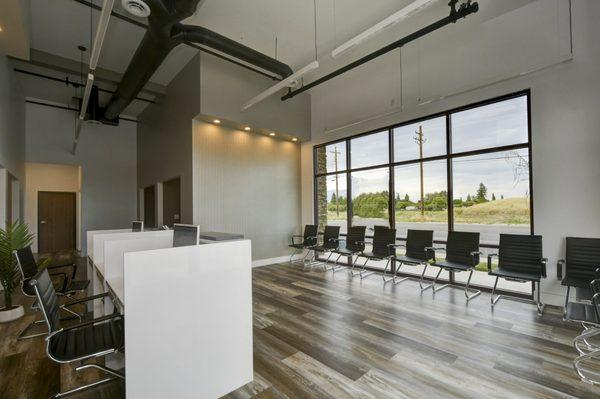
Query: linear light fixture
{"x":404,"y":13}
{"x":287,"y":82}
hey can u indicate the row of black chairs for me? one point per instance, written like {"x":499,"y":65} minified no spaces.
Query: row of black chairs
{"x":519,"y":258}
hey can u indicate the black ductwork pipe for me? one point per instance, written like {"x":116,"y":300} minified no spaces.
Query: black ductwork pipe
{"x":165,"y":32}
{"x":464,"y":10}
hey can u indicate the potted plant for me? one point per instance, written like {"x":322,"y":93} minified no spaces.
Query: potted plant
{"x":16,"y":236}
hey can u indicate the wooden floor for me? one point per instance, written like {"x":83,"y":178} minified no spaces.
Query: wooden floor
{"x":323,"y":336}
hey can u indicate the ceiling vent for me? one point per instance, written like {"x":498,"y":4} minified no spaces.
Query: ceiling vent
{"x":137,"y":8}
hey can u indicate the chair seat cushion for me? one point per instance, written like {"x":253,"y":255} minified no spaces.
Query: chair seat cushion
{"x":449,"y":265}
{"x":409,"y":260}
{"x":579,"y":282}
{"x":371,"y":255}
{"x":511,"y":274}
{"x":78,"y":285}
{"x":581,"y":312}
{"x":88,"y":340}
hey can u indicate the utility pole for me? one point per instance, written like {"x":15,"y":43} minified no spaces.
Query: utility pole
{"x":335,"y":153}
{"x":420,"y":140}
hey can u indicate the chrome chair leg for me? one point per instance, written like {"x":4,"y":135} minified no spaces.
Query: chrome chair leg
{"x":384,"y":275}
{"x":475,"y":293}
{"x":426,"y":287}
{"x":394,"y":277}
{"x":495,"y":300}
{"x":115,"y":375}
{"x":336,"y":267}
{"x":438,"y":288}
{"x":585,"y":373}
{"x":537,"y":301}
{"x":583,"y":338}
{"x":23,"y":334}
{"x":362,"y":272}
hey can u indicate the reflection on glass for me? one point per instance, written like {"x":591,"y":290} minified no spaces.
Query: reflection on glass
{"x":370,"y":198}
{"x":331,"y":158}
{"x":421,"y":198}
{"x":491,"y":194}
{"x":493,"y":125}
{"x":332,"y":201}
{"x":369,"y":150}
{"x":420,"y":140}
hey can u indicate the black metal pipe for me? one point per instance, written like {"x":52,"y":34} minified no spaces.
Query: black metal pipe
{"x":464,"y":11}
{"x":69,"y":108}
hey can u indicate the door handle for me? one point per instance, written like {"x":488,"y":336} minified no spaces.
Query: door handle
{"x":43,"y":222}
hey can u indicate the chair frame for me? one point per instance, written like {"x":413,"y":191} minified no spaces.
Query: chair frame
{"x":315,"y":249}
{"x":114,"y":373}
{"x":362,"y":271}
{"x":474,"y":292}
{"x":393,"y":279}
{"x":305,"y":247}
{"x":586,"y":350}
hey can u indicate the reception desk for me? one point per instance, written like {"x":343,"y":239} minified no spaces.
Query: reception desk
{"x":188,"y":312}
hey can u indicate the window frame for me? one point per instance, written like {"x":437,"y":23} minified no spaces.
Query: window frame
{"x":448,"y":157}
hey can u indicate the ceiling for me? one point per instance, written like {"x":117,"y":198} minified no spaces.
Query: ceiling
{"x":284,"y":29}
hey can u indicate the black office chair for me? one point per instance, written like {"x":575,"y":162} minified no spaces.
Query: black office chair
{"x":309,"y":240}
{"x":520,"y":259}
{"x":352,"y":245}
{"x":581,"y":266}
{"x":331,"y":238}
{"x":462,"y":255}
{"x":81,"y":342}
{"x":589,"y":316}
{"x":381,"y":249}
{"x":29,"y":268}
{"x":418,"y":253}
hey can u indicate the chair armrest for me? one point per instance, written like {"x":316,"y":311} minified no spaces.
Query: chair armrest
{"x":597,"y":272}
{"x":559,"y":269}
{"x":73,"y":265}
{"x":475,"y":255}
{"x":489,"y":261}
{"x":86,"y":323}
{"x":544,"y":262}
{"x":433,"y":250}
{"x":86,"y":299}
{"x":65,"y":280}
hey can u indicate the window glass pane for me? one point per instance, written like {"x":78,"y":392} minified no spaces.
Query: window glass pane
{"x":332,"y":201}
{"x":491,"y":194}
{"x":492,"y":125}
{"x":331,"y":158}
{"x":423,"y":211}
{"x":369,"y":150}
{"x":420,"y":140}
{"x":370,"y":198}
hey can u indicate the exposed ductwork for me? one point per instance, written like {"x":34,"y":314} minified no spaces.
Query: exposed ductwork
{"x":165,"y":32}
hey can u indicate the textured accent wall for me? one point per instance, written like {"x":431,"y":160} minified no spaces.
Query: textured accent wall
{"x":247,"y":183}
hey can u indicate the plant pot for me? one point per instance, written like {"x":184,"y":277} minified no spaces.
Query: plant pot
{"x":14,"y":313}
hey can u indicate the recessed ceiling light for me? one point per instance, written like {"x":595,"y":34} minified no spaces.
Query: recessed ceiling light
{"x":0,"y":29}
{"x":294,"y":139}
{"x":217,"y":121}
{"x":247,"y":128}
{"x":272,"y":134}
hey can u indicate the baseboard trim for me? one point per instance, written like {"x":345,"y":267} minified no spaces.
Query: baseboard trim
{"x":272,"y":261}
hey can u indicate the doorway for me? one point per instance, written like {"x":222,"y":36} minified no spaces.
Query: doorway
{"x":149,"y":207}
{"x":172,"y":202}
{"x":57,"y":221}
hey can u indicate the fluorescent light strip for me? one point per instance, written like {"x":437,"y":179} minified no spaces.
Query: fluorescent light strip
{"x":287,"y":82}
{"x":410,"y":9}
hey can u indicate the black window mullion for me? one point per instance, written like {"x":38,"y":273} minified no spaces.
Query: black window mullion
{"x":449,"y":181}
{"x":392,"y":184}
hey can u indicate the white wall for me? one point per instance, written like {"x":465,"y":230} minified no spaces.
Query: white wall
{"x":50,"y":177}
{"x":565,"y":103}
{"x":107,"y":156}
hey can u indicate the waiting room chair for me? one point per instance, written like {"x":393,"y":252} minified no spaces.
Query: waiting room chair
{"x":418,"y":252}
{"x":381,"y":249}
{"x":462,"y":255}
{"x":581,"y":265}
{"x":353,"y":245}
{"x":331,"y":238}
{"x":520,"y":259}
{"x":589,"y":316}
{"x":309,"y":240}
{"x":29,"y":268}
{"x":81,"y":342}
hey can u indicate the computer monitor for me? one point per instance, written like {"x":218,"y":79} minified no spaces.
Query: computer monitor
{"x":185,"y":235}
{"x":137,"y":225}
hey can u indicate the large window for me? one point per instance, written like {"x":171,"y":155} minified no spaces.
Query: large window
{"x":465,"y":170}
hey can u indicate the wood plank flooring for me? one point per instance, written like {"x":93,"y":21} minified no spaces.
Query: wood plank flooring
{"x":318,"y":335}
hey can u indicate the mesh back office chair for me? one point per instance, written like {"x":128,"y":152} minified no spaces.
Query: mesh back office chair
{"x":185,"y":235}
{"x":80,"y":342}
{"x":520,"y":259}
{"x":462,"y":255}
{"x":137,"y":226}
{"x":582,"y":265}
{"x":331,"y":238}
{"x":589,"y":316}
{"x":309,"y":240}
{"x":381,"y":249}
{"x":352,"y":245}
{"x":418,"y":253}
{"x":29,"y":268}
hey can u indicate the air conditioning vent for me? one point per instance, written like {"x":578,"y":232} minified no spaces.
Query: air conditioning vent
{"x":136,"y":8}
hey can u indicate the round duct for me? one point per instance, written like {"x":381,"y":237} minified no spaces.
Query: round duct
{"x":136,"y":8}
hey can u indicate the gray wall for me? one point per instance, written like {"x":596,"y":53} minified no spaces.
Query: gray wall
{"x":247,"y":183}
{"x":108,"y":160}
{"x":165,"y":136}
{"x":565,"y":103}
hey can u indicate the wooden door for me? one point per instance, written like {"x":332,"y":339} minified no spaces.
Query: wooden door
{"x":149,"y":207}
{"x":172,"y":202}
{"x":57,"y":221}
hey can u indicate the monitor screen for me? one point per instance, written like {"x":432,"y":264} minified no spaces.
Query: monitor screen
{"x":137,"y":225}
{"x":185,"y":235}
